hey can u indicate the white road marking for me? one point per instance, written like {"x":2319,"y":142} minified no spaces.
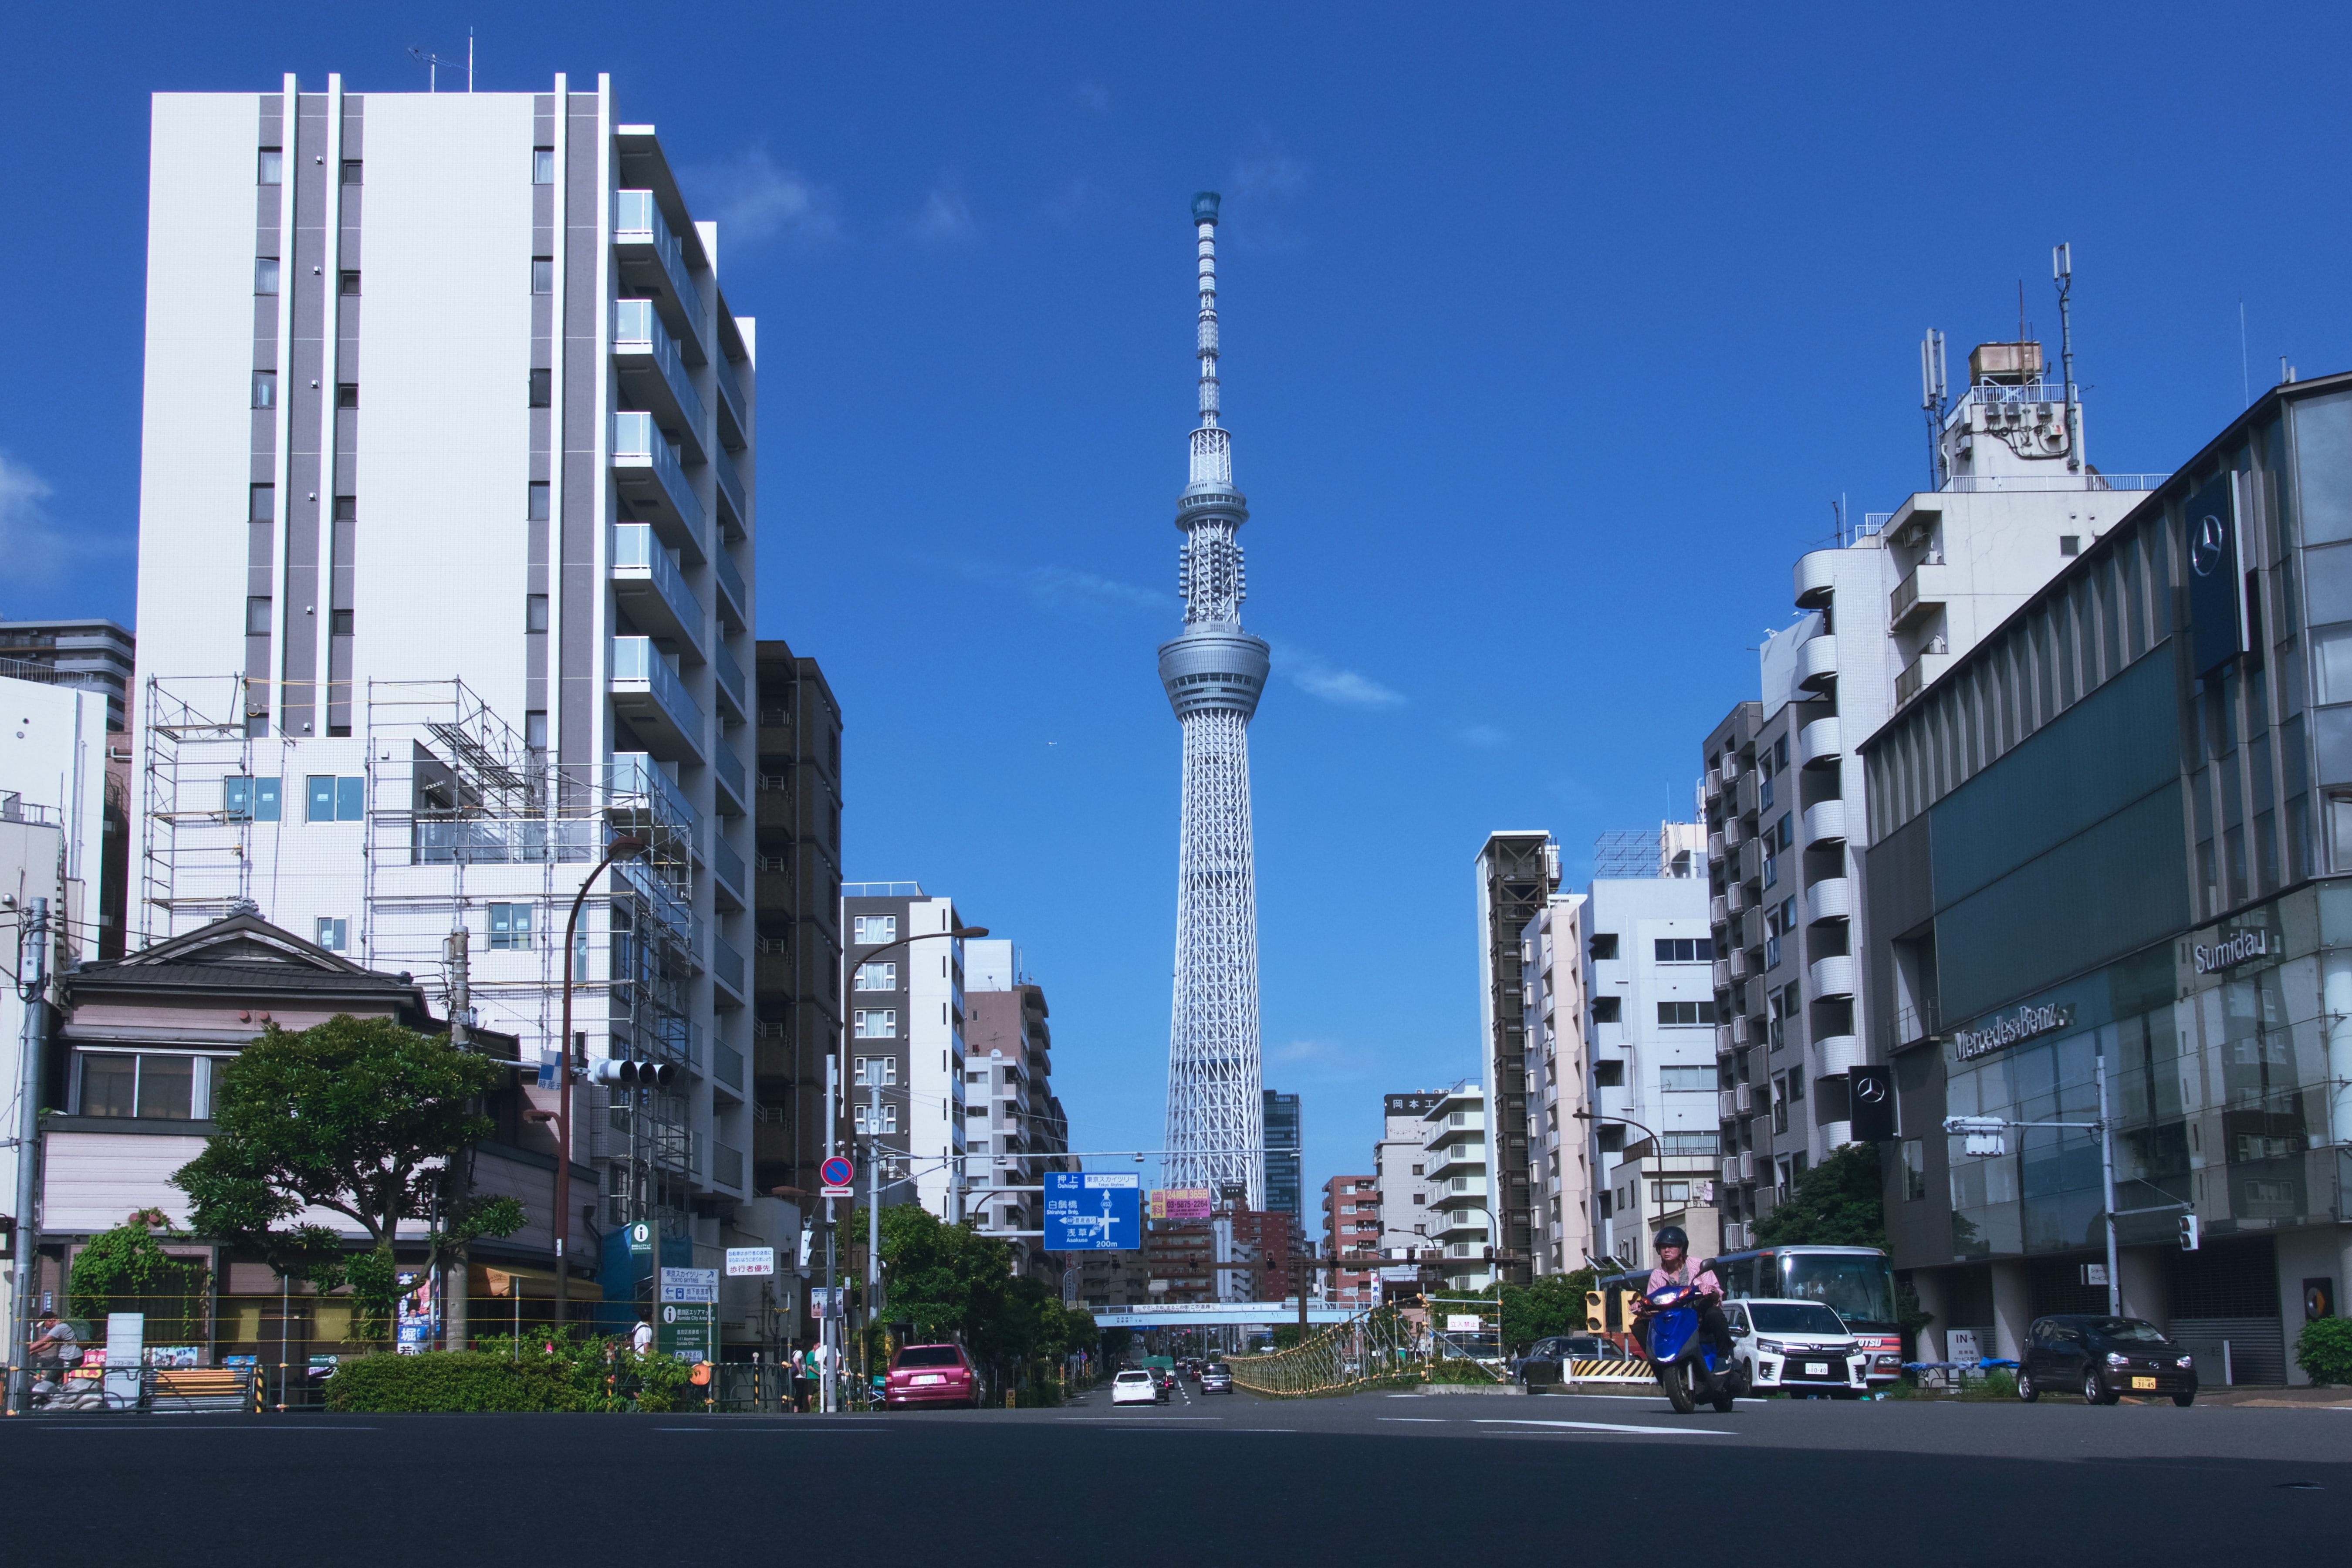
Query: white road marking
{"x":875,"y":1426}
{"x":1417,"y":1420}
{"x":1611,"y":1427}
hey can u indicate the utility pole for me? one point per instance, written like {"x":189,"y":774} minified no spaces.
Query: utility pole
{"x":873,"y":1215}
{"x":456,"y":951}
{"x":33,"y":991}
{"x":832,"y":1283}
{"x":2062,"y":268}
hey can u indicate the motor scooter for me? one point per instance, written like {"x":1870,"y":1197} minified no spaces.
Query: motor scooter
{"x":1686,"y":1365}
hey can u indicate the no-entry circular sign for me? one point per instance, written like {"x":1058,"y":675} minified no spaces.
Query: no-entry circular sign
{"x":837,"y":1172}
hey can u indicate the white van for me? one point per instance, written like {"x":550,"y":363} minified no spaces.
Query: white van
{"x":1797,"y":1347}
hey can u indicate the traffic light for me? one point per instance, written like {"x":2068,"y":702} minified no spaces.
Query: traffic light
{"x":2191,"y":1232}
{"x":1595,"y":1313}
{"x":632,"y":1075}
{"x":808,"y":1241}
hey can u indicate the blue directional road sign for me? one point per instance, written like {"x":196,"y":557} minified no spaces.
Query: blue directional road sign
{"x":1092,"y":1211}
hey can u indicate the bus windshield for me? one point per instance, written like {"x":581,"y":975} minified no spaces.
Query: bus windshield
{"x":1861,"y":1288}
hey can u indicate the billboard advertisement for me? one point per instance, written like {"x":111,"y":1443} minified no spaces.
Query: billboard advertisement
{"x":1092,"y":1211}
{"x":1181,"y":1203}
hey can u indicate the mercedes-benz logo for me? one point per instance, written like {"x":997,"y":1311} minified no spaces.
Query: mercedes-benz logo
{"x":1870,"y":1091}
{"x":2206,"y":554}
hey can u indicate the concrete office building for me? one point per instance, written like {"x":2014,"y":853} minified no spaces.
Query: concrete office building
{"x":2118,"y":831}
{"x":1458,"y":1216}
{"x":1015,"y":1128}
{"x":796,"y":914}
{"x":1351,"y":1229}
{"x":1401,"y":1173}
{"x":444,"y":579}
{"x":1285,"y":1157}
{"x":1649,"y":1012}
{"x":1881,"y":613}
{"x":1516,"y":873}
{"x":96,"y":654}
{"x":903,"y":1076}
{"x":1559,"y":1062}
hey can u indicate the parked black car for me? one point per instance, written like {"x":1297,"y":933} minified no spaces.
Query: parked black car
{"x":1564,"y":1348}
{"x":2104,"y":1358}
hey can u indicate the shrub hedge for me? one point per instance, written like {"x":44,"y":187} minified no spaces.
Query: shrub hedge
{"x":2324,"y":1351}
{"x":578,"y":1377}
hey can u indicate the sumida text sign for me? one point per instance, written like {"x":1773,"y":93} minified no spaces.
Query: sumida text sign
{"x":1090,"y":1211}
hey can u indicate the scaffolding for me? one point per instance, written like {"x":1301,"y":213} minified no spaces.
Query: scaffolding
{"x":195,"y":831}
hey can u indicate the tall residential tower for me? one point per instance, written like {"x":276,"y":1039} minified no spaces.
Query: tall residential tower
{"x":1213,"y":673}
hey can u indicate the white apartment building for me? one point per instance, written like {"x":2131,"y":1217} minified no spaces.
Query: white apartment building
{"x":1460,"y":1219}
{"x":446,"y":581}
{"x":1881,"y":613}
{"x":905,"y":1073}
{"x":1400,"y":1173}
{"x":1015,"y":1127}
{"x":1559,"y":1141}
{"x":1649,"y":1020}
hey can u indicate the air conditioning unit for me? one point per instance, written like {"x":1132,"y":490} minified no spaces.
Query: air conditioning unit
{"x":1748,"y":1165}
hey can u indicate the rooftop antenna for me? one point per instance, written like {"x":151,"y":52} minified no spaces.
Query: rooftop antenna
{"x":469,"y":59}
{"x":1932,"y":391}
{"x":433,"y":64}
{"x":2062,"y":268}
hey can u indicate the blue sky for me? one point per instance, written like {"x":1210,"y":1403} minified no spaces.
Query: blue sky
{"x":1553,"y":335}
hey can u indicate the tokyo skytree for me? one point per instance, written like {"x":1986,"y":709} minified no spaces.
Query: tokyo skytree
{"x":1213,"y":673}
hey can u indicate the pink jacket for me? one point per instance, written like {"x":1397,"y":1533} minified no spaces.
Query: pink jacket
{"x":1689,"y":1274}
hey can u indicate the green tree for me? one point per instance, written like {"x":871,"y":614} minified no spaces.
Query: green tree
{"x":356,"y":1116}
{"x":1553,"y":1304}
{"x":126,"y":1270}
{"x":1839,"y":1203}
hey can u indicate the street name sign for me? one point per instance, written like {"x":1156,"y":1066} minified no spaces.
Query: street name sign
{"x":1092,"y":1211}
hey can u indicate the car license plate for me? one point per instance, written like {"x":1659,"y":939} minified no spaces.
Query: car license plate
{"x":2143,"y":1383}
{"x":929,"y":1377}
{"x":1817,"y":1369}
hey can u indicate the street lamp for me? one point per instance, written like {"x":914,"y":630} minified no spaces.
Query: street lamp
{"x":1641,"y":1200}
{"x":619,"y":849}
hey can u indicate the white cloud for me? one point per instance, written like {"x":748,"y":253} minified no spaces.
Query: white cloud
{"x":1269,"y":175}
{"x":1485,"y":737}
{"x":753,"y":198}
{"x":1314,"y":1060}
{"x":1063,"y":589}
{"x":944,"y":219}
{"x":1317,"y":677}
{"x":38,"y":549}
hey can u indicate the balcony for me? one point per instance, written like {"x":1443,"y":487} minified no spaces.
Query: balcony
{"x":734,"y":598}
{"x":728,"y":881}
{"x":652,"y":263}
{"x":1824,"y":823}
{"x":1715,"y":846}
{"x":1831,"y":898}
{"x":647,"y":583}
{"x":1836,"y":1055}
{"x":1750,"y":860}
{"x":643,"y":797}
{"x":734,"y":703}
{"x":655,"y":488}
{"x":726,"y":976}
{"x":1722,"y":973}
{"x":1737,"y":964}
{"x":1918,"y":595}
{"x":1735,"y":897}
{"x":1817,"y":743}
{"x":734,"y":408}
{"x":1732,"y":837}
{"x":726,"y":1167}
{"x":726,"y":1066}
{"x":1816,"y":579}
{"x":1817,"y":666}
{"x":1717,"y":911}
{"x":648,"y":694}
{"x":1920,"y":672}
{"x":727,"y":769}
{"x":734,"y":512}
{"x":1833,"y":978}
{"x":652,"y":374}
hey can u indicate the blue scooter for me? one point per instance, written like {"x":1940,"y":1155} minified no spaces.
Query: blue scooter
{"x":1686,"y":1366}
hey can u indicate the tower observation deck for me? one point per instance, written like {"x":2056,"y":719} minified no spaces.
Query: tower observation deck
{"x":1213,"y":673}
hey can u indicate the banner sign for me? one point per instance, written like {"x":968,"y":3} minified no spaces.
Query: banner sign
{"x":1181,"y":1203}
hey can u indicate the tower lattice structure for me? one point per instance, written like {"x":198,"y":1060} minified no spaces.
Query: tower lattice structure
{"x":1213,"y":673}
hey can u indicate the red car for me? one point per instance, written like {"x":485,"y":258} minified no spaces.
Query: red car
{"x":932,"y":1374}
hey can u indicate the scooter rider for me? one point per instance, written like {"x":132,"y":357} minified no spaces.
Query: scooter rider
{"x":1677,"y":1271}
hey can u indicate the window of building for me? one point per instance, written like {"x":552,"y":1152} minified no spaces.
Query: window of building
{"x":1604,"y":946}
{"x":1771,"y":871}
{"x":265,"y":275}
{"x":537,"y":508}
{"x":543,"y":165}
{"x":534,"y":612}
{"x":1609,"y":1074}
{"x":1780,"y":1111}
{"x":872,"y":930}
{"x":876,"y":1023}
{"x":534,"y":729}
{"x":347,"y":283}
{"x":334,"y":935}
{"x":265,"y":389}
{"x":1772,"y":953}
{"x":343,"y":622}
{"x":1607,"y":1009}
{"x":510,"y":927}
{"x":351,"y":171}
{"x":257,"y":618}
{"x":1915,"y":1169}
{"x":543,"y":275}
{"x":249,"y":800}
{"x":272,"y":167}
{"x":347,"y":394}
{"x":876,"y":977}
{"x":260,"y":503}
{"x":347,"y":509}
{"x":1796,"y":1083}
{"x":332,"y":799}
{"x":169,"y":1088}
{"x":1416,"y":1170}
{"x":542,"y":389}
{"x":1682,"y":1079}
{"x":1678,"y":1014}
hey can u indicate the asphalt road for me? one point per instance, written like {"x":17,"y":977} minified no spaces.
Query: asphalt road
{"x":1371,"y":1479}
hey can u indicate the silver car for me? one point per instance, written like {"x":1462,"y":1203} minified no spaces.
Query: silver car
{"x":1798,"y":1348}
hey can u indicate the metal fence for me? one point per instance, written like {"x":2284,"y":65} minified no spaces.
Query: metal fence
{"x":1380,"y":1345}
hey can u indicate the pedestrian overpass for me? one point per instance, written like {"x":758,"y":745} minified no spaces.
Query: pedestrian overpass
{"x":1211,"y":1314}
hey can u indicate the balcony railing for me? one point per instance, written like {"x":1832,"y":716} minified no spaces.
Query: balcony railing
{"x":634,"y":778}
{"x":726,"y":1064}
{"x":656,"y":487}
{"x":734,"y":598}
{"x":640,"y":233}
{"x":734,"y":409}
{"x":730,"y":684}
{"x":729,"y":769}
{"x":727,"y":966}
{"x":2034,"y":484}
{"x":727,"y":868}
{"x":727,"y":1166}
{"x":641,"y":342}
{"x":636,"y":668}
{"x":734,"y":512}
{"x":641,"y":563}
